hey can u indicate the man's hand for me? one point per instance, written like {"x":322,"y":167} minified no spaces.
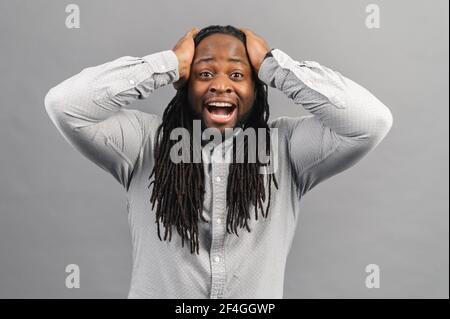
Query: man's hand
{"x":184,"y":50}
{"x":257,"y":48}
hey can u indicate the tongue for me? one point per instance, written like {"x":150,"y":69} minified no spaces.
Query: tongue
{"x":219,"y":110}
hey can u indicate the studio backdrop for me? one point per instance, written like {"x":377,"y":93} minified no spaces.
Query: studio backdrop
{"x":388,"y":214}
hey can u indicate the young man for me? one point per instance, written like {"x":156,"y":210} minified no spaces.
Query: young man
{"x":221,"y":75}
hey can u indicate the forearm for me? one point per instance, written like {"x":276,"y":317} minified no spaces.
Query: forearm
{"x":96,"y":93}
{"x":340,"y":104}
{"x":88,"y":109}
{"x":346,"y":123}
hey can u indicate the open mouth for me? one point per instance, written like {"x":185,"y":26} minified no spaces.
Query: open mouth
{"x":220,"y":112}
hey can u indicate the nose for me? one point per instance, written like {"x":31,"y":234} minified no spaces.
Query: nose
{"x":221,"y":83}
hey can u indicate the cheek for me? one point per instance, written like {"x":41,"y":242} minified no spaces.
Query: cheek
{"x":248,"y":98}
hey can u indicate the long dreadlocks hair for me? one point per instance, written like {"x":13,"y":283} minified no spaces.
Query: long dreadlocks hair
{"x":178,"y":188}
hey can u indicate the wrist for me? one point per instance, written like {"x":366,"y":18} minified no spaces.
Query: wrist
{"x":267,"y":55}
{"x":183,"y":64}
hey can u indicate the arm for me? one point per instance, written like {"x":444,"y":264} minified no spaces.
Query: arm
{"x":346,"y":120}
{"x":88,"y":109}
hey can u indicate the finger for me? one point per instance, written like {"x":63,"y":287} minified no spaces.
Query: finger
{"x":192,"y":33}
{"x":189,"y":33}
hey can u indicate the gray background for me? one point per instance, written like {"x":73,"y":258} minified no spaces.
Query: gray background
{"x":391,"y":209}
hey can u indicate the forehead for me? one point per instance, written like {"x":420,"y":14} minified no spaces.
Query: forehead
{"x":220,"y":47}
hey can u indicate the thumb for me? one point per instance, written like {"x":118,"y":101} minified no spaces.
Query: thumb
{"x":194,"y":31}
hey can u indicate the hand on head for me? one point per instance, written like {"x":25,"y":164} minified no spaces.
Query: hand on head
{"x":184,"y":50}
{"x":257,"y":48}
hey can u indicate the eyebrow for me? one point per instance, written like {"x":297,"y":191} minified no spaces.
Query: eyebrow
{"x":230,"y":59}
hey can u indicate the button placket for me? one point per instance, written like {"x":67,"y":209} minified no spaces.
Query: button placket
{"x":217,"y":252}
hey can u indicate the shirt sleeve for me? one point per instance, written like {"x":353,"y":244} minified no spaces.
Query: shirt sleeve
{"x":88,"y":109}
{"x":345,"y":122}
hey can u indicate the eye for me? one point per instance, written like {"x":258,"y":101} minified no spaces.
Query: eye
{"x":204,"y":72}
{"x":241,"y":75}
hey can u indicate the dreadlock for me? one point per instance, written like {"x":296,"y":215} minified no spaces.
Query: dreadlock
{"x":178,"y":188}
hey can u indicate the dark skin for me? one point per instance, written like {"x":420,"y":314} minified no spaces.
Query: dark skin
{"x":219,"y":78}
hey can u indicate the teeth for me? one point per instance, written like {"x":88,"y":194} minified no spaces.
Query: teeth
{"x":220,"y":104}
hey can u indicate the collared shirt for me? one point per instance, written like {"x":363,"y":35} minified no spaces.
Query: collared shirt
{"x":345,"y":121}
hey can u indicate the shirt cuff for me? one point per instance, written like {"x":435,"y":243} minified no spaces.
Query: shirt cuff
{"x":272,"y":69}
{"x":270,"y":66}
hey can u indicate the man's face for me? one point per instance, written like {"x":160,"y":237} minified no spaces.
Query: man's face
{"x":221,"y":72}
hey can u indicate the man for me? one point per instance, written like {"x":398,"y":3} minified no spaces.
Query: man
{"x":221,"y":75}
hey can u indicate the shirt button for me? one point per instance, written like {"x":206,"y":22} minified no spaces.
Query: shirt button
{"x":218,"y":179}
{"x":217,"y":259}
{"x":163,"y":67}
{"x":131,"y":82}
{"x":219,"y":221}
